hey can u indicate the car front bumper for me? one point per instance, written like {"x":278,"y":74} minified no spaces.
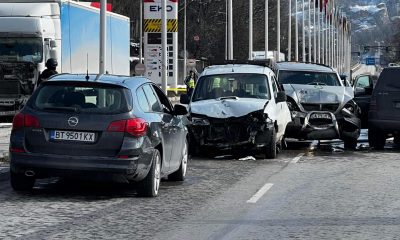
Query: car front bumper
{"x":338,"y":126}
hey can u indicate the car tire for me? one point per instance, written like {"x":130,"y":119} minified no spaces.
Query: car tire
{"x":350,"y":143}
{"x":270,"y":148}
{"x":20,"y":182}
{"x":150,"y":185}
{"x":376,"y":139}
{"x":180,"y":174}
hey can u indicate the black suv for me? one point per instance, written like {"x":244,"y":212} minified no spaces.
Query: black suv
{"x":107,"y":127}
{"x":384,"y":109}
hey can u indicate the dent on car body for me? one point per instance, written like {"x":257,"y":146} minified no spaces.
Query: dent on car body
{"x":228,"y":123}
{"x":227,"y":108}
{"x":319,"y":94}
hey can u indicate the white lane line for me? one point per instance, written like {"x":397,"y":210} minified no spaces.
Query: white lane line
{"x":260,"y":193}
{"x":297,"y":158}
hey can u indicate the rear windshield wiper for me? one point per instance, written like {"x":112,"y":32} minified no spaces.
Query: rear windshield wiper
{"x":67,"y":109}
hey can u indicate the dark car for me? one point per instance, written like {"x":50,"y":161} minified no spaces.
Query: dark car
{"x":106,"y":128}
{"x":363,"y":86}
{"x":384,"y":109}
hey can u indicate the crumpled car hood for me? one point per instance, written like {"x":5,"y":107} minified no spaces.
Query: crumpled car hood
{"x":227,"y":108}
{"x":319,"y":94}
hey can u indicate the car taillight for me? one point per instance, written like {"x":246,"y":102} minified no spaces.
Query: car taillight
{"x":18,"y":121}
{"x":25,"y":120}
{"x":31,"y":121}
{"x":135,"y":126}
{"x":117,"y":126}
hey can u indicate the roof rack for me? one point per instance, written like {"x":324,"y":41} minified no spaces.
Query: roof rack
{"x":320,"y":64}
{"x":258,"y":62}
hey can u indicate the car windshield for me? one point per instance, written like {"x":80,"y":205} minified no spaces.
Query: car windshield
{"x":310,"y":78}
{"x":82,"y":97}
{"x":21,"y":49}
{"x":246,"y":85}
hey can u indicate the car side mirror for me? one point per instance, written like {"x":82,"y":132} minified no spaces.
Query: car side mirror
{"x":184,"y":99}
{"x":180,"y":110}
{"x":281,"y":97}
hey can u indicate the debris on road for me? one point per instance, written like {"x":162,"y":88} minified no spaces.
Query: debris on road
{"x":248,"y":158}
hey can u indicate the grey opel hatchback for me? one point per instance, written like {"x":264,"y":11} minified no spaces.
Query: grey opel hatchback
{"x":107,"y":127}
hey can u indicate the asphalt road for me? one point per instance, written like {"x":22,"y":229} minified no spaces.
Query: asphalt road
{"x":308,"y":192}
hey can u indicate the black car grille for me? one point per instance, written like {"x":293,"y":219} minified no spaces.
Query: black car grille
{"x":320,"y":107}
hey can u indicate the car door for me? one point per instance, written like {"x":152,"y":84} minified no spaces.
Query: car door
{"x":363,"y":86}
{"x":164,"y":124}
{"x":177,"y":130}
{"x":387,"y":94}
{"x":283,"y":112}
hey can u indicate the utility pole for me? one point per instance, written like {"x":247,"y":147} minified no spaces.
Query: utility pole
{"x":103,"y":30}
{"x":184,"y":40}
{"x":309,"y":31}
{"x":164,"y":57}
{"x":230,"y":31}
{"x":266,"y":29}
{"x":303,"y":39}
{"x":141,"y":33}
{"x":319,"y":32}
{"x":290,"y":32}
{"x":278,"y":31}
{"x":296,"y":58}
{"x":250,"y":29}
{"x":314,"y":34}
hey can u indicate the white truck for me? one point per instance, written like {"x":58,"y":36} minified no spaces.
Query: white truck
{"x":32,"y":31}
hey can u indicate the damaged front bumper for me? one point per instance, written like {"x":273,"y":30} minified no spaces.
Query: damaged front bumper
{"x":323,"y":125}
{"x":252,"y":130}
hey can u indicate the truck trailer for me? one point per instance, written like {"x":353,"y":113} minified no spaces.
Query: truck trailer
{"x":32,"y":31}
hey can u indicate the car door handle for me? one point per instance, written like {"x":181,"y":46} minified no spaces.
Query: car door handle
{"x":383,"y":93}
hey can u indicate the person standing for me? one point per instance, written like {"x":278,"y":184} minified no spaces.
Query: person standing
{"x":190,"y":82}
{"x":50,"y":70}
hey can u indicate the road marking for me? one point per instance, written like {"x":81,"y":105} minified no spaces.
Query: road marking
{"x":297,"y":158}
{"x":260,"y":193}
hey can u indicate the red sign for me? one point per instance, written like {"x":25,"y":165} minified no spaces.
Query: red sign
{"x":97,"y":5}
{"x":196,"y":38}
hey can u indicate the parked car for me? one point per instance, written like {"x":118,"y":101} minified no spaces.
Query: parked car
{"x":237,"y":106}
{"x":363,"y":86}
{"x":384,"y":110}
{"x":112,"y":127}
{"x":322,"y":107}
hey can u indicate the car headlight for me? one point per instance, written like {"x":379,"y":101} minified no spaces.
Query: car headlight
{"x":200,"y":121}
{"x":351,"y":108}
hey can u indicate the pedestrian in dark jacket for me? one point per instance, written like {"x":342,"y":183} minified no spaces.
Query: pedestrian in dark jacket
{"x":50,"y":70}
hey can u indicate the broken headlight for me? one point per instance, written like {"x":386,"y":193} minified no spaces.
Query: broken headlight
{"x":200,"y":121}
{"x":351,"y":108}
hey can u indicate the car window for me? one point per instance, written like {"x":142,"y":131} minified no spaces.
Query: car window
{"x":163,"y":99}
{"x":82,"y":97}
{"x":363,"y":82}
{"x":246,"y":85}
{"x":389,"y":79}
{"x":152,"y":98}
{"x":142,"y":100}
{"x":308,"y":78}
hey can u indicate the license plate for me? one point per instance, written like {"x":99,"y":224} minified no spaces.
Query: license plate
{"x":320,"y":116}
{"x":6,"y":113}
{"x":72,"y":136}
